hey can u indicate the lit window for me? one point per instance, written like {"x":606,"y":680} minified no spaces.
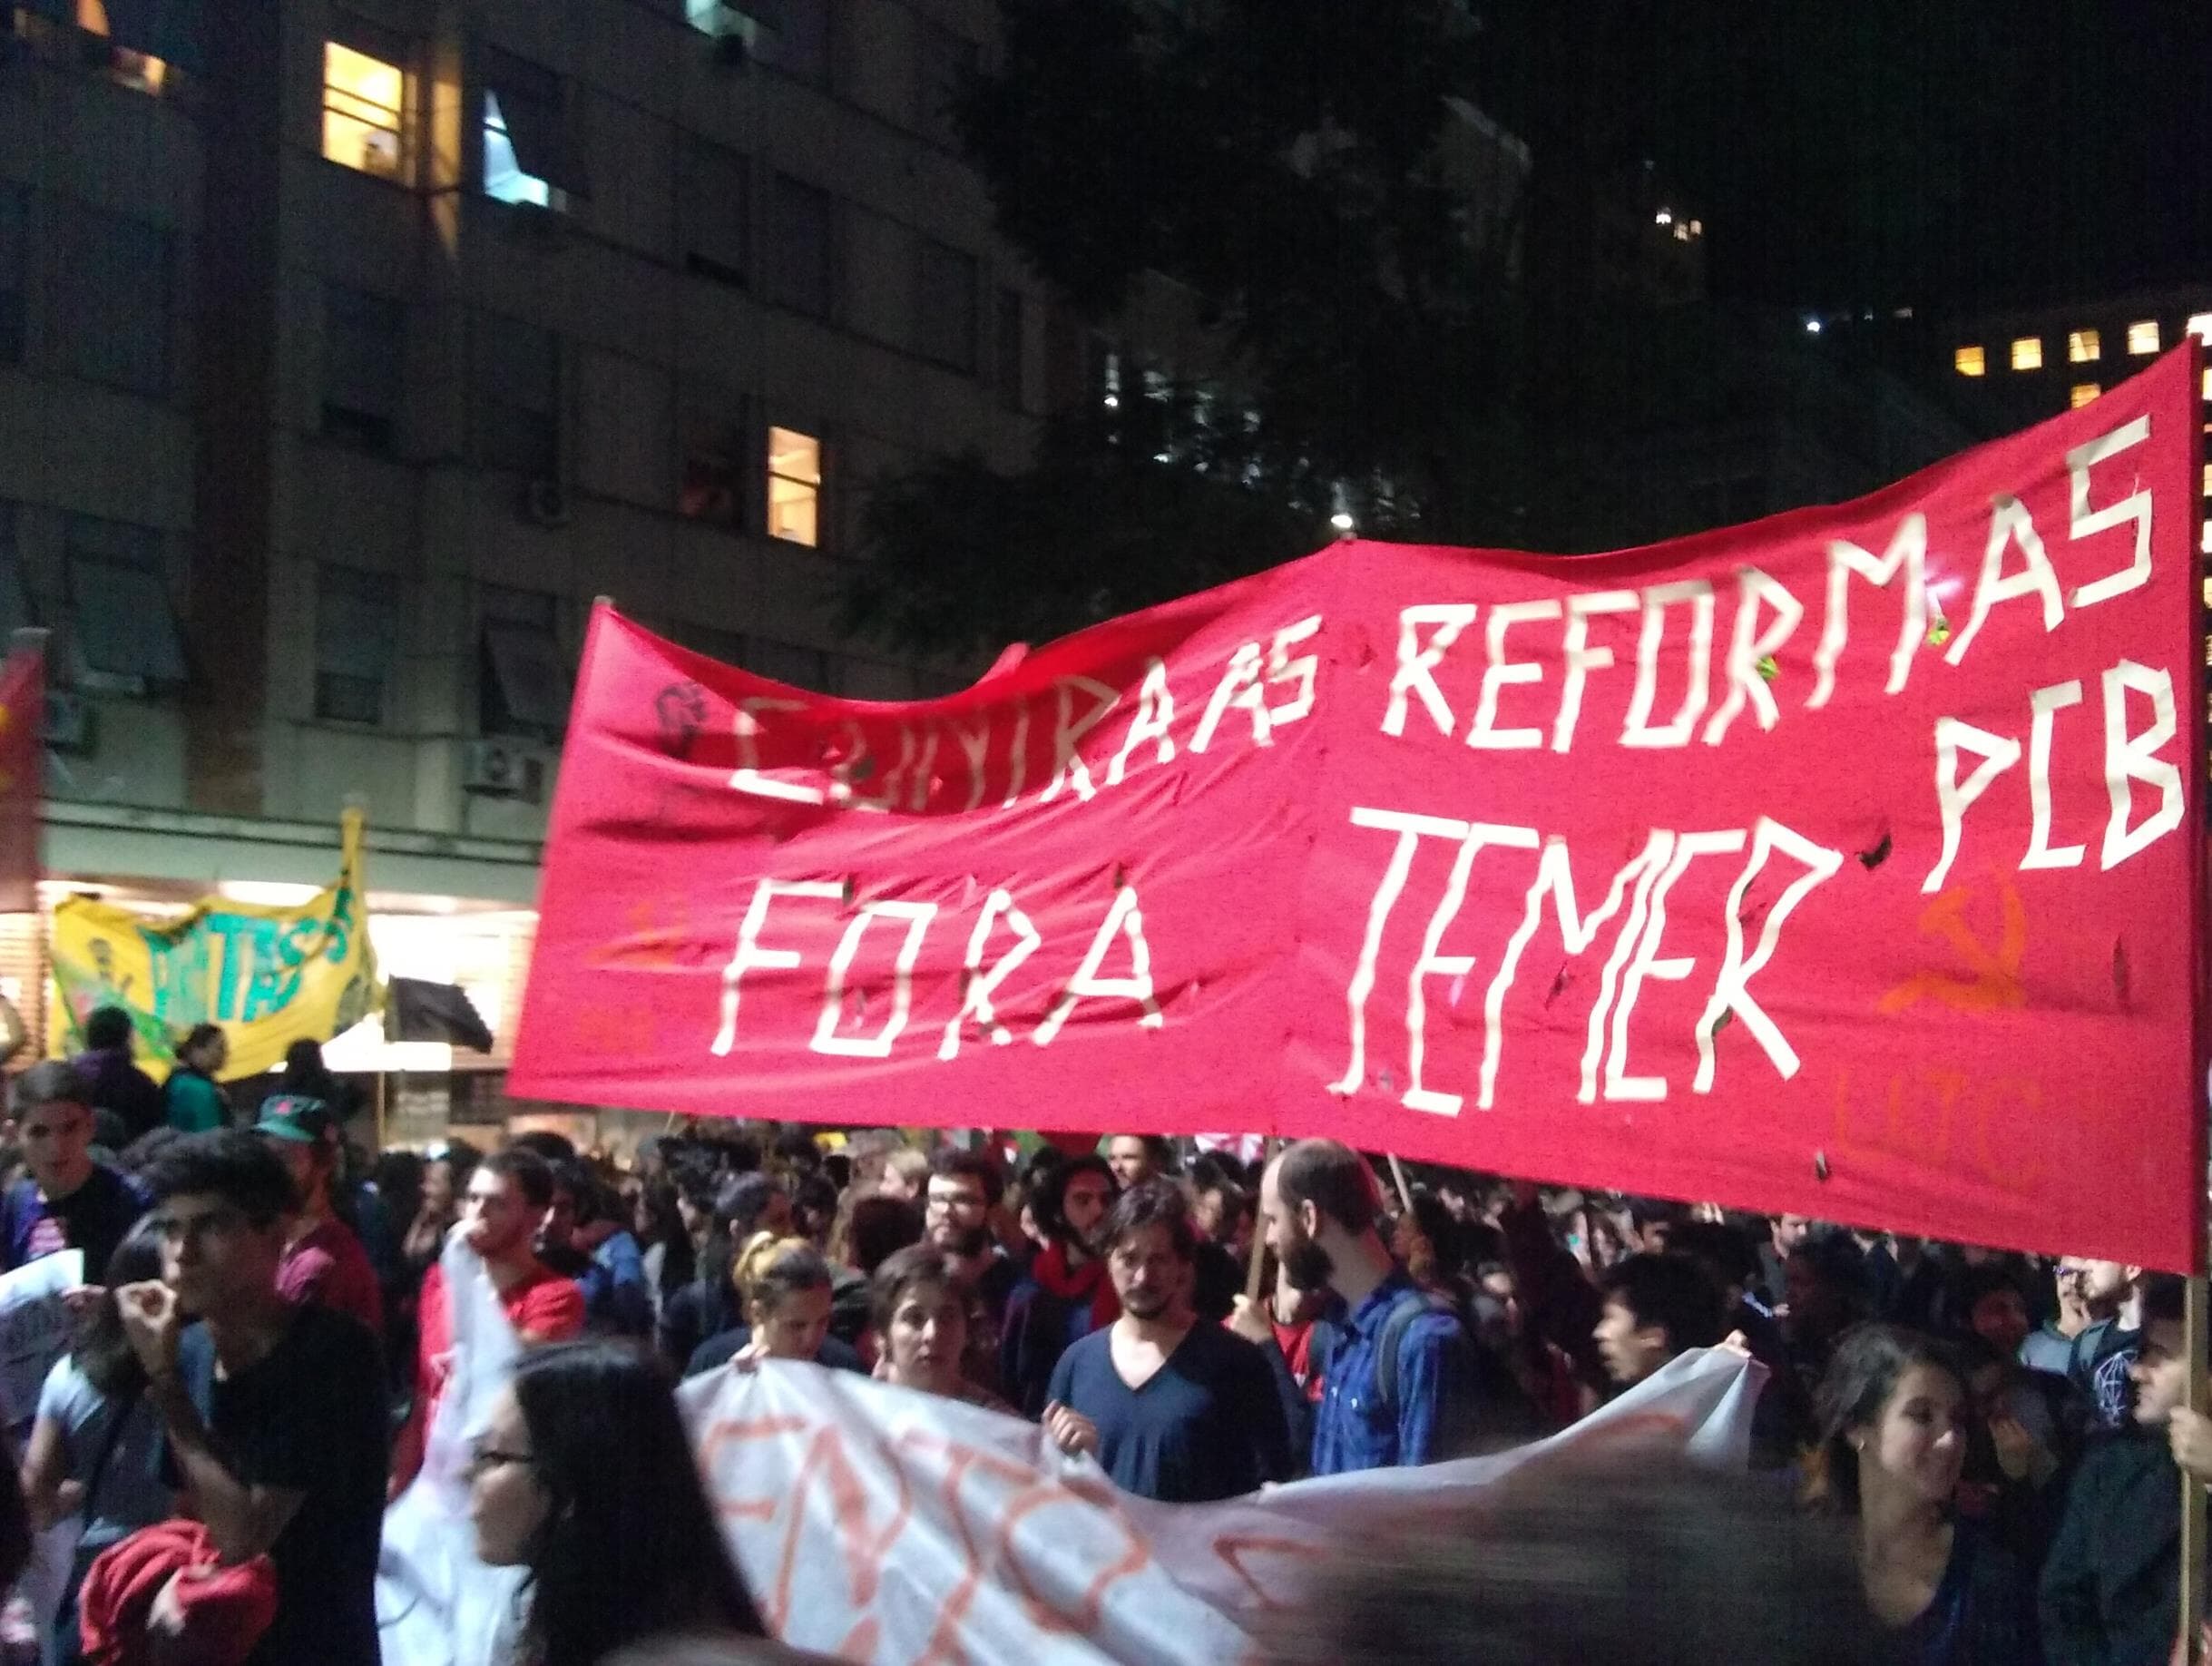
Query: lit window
{"x":2208,"y":480}
{"x":1968,"y":361}
{"x":1666,"y":217}
{"x":2083,"y":392}
{"x":794,"y":486}
{"x":2143,"y":337}
{"x":529,"y":153}
{"x":1697,"y":228}
{"x":129,"y":63}
{"x":1681,"y":233}
{"x":2028,"y":353}
{"x":364,"y":111}
{"x":2207,"y":389}
{"x":2200,"y":327}
{"x":2083,"y":346}
{"x":503,"y":176}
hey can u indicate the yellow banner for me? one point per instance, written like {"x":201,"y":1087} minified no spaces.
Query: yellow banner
{"x":268,"y":975}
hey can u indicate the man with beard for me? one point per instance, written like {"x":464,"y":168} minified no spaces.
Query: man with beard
{"x":1402,"y":1379}
{"x":1173,"y":1408}
{"x":964,"y":1188}
{"x":506,"y":1201}
{"x":1067,"y":1295}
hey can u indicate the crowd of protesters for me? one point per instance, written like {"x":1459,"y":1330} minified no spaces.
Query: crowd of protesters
{"x":1989,"y":1445}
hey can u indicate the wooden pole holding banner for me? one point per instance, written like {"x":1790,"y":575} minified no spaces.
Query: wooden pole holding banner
{"x":1406,"y":1192}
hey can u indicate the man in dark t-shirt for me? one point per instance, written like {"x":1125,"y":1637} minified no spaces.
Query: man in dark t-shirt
{"x":69,"y":1201}
{"x":274,"y":1414}
{"x":1173,"y":1406}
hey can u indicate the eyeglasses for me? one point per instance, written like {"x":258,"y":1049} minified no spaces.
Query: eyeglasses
{"x":491,"y":1457}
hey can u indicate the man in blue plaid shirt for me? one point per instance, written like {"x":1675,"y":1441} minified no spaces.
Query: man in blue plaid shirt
{"x":1402,"y":1380}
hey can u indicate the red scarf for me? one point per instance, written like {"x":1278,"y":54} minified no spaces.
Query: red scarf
{"x":1087,"y":1283}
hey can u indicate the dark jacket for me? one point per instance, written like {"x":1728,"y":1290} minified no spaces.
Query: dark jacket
{"x":120,"y":1086}
{"x":2111,"y":1583}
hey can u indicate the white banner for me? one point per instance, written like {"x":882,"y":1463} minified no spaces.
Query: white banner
{"x":890,"y":1527}
{"x":36,"y":1326}
{"x":436,"y":1604}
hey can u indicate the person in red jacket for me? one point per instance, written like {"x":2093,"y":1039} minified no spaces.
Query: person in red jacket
{"x":506,"y":1204}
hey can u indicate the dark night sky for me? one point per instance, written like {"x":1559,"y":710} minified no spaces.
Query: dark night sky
{"x":1939,"y":152}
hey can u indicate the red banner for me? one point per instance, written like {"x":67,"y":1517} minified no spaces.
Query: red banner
{"x":1843,"y":862}
{"x":22,"y":753}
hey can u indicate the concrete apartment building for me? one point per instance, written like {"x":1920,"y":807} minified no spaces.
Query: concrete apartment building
{"x":346,"y":354}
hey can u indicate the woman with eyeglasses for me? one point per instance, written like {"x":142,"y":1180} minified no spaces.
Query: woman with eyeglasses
{"x":584,"y":1476}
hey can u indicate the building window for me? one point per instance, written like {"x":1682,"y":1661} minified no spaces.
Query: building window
{"x":1007,"y":358}
{"x":515,"y":384}
{"x":800,"y":274}
{"x":945,"y":66}
{"x":524,"y":673}
{"x":715,"y":202}
{"x":529,"y":155}
{"x":365,"y":105}
{"x":357,"y":634}
{"x":2082,"y":393}
{"x":15,"y":224}
{"x":2143,"y":337}
{"x":2083,"y":346}
{"x":2028,"y":353}
{"x":2200,"y":327}
{"x":134,"y":48}
{"x":1968,"y":361}
{"x":791,"y":36}
{"x":111,"y":312}
{"x":712,"y":485}
{"x":123,"y":630}
{"x":363,"y":359}
{"x":794,"y":486}
{"x":15,"y":611}
{"x":2208,"y":385}
{"x":944,"y":306}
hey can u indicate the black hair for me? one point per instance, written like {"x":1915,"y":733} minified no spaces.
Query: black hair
{"x":199,"y":1036}
{"x":305,"y":1073}
{"x":1048,"y":1204}
{"x":791,"y":1272}
{"x":103,"y":1351}
{"x":1726,"y":1251}
{"x":983,"y":1169}
{"x":525,"y":1171}
{"x":813,"y":1203}
{"x":1559,"y":1565}
{"x":1862,"y":1375}
{"x":109,"y":1026}
{"x":2165,"y":1298}
{"x":1977,"y":1284}
{"x":917,"y":1266}
{"x":875,"y":1228}
{"x":744,"y":1201}
{"x":794,"y":1147}
{"x":1670,"y":1292}
{"x":1334,"y":1178}
{"x":55,"y":1080}
{"x":581,"y":1181}
{"x":630,"y":1546}
{"x":1153,"y":1202}
{"x":838,"y":1167}
{"x":232,"y":1163}
{"x":552,"y":1147}
{"x":664,"y":1226}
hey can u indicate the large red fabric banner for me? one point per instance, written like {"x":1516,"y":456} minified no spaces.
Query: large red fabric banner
{"x":1843,"y":862}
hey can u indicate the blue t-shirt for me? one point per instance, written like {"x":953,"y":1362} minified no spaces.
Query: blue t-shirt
{"x":1207,"y":1425}
{"x":131,"y":1494}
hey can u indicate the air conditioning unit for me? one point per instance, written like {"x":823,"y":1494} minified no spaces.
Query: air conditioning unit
{"x":545,"y":504}
{"x":504,"y":769}
{"x":70,"y":725}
